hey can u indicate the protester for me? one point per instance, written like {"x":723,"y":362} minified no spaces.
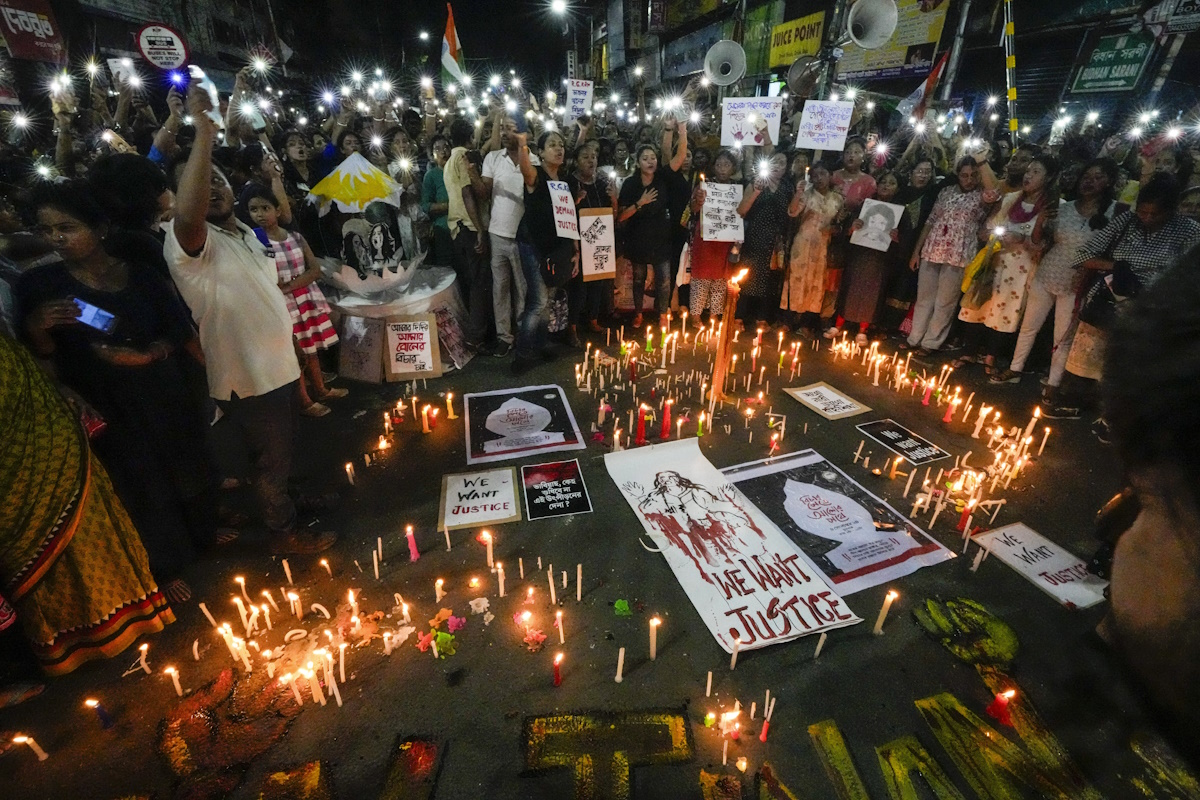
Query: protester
{"x":867,"y":269}
{"x":467,"y":222}
{"x":816,"y":205}
{"x":710,"y":259}
{"x":917,"y":196}
{"x":435,"y":202}
{"x":227,"y":277}
{"x":764,"y":210}
{"x":505,"y":186}
{"x":854,"y":186}
{"x":589,"y":301}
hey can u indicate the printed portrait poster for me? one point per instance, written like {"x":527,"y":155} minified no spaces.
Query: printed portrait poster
{"x":853,"y":537}
{"x":827,"y":401}
{"x":719,"y":220}
{"x":824,"y":125}
{"x":753,"y":121}
{"x":411,"y":350}
{"x":510,"y":423}
{"x":598,"y":248}
{"x":1047,"y":566}
{"x":746,"y":579}
{"x":554,"y":490}
{"x":879,"y":220}
{"x":472,"y":499}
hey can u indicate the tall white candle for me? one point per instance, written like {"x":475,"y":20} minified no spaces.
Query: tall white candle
{"x":271,"y":599}
{"x":620,"y":665}
{"x":375,"y":562}
{"x":266,"y":610}
{"x":1045,"y":436}
{"x":708,"y":688}
{"x":342,"y":661}
{"x":550,"y":578}
{"x":737,"y":645}
{"x":438,"y":593}
{"x":487,"y":540}
{"x":174,"y":673}
{"x":820,"y":645}
{"x":241,"y":582}
{"x":883,"y":612}
{"x":447,"y":530}
{"x":500,"y":577}
{"x":38,"y":751}
{"x":654,"y":623}
{"x":579,"y":576}
{"x":562,"y":637}
{"x":209,"y":616}
{"x":288,"y":572}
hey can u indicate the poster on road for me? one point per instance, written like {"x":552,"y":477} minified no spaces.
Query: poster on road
{"x":827,"y":401}
{"x":510,"y":423}
{"x":1047,"y":566}
{"x":471,"y":499}
{"x":746,"y":579}
{"x":901,"y":440}
{"x":554,"y":490}
{"x":852,"y":536}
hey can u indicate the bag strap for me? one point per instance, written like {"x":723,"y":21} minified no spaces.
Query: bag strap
{"x":1112,"y":246}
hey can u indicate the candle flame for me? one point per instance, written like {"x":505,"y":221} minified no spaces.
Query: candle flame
{"x":239,"y":579}
{"x":169,"y":670}
{"x":893,"y":594}
{"x":144,"y":648}
{"x":655,"y":621}
{"x":558,"y":658}
{"x":90,"y":703}
{"x":20,"y":739}
{"x":1010,"y":694}
{"x":440,"y":581}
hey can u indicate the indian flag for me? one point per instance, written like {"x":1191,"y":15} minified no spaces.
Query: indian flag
{"x":452,"y":56}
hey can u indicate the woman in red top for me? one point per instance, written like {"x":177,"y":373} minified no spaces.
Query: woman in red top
{"x":710,"y":260}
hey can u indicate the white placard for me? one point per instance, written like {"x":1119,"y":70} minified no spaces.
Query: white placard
{"x":565,"y":220}
{"x":824,"y":125}
{"x":745,"y":578}
{"x":1047,"y":566}
{"x":753,"y":121}
{"x":579,"y":99}
{"x":879,"y":220}
{"x":412,"y":347}
{"x":719,"y":220}
{"x":827,"y":401}
{"x":598,"y":248}
{"x":479,"y":498}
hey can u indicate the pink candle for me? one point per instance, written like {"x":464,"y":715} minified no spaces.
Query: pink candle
{"x":665,"y":433}
{"x":413,"y":553}
{"x":928,"y":392}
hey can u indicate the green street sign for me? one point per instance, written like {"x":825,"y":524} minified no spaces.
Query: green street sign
{"x":1116,"y":64}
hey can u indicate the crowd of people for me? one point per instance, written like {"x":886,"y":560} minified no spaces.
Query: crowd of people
{"x":159,"y":272}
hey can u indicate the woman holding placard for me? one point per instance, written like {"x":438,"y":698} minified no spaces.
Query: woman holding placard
{"x":710,"y":259}
{"x":764,"y":208}
{"x":816,"y":205}
{"x":587,"y":302}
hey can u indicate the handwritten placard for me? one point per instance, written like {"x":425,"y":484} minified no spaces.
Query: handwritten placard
{"x":579,"y":98}
{"x":719,"y":220}
{"x":565,"y":221}
{"x":411,"y":348}
{"x":824,"y":125}
{"x":827,"y":401}
{"x":1047,"y":566}
{"x":598,"y":250}
{"x":753,"y":121}
{"x":479,"y":498}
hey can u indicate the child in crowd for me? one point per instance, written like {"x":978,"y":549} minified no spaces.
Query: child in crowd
{"x":298,"y":270}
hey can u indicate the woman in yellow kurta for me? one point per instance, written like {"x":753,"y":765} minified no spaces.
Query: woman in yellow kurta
{"x":71,"y":562}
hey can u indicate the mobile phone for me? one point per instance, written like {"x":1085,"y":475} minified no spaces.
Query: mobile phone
{"x":96,"y":317}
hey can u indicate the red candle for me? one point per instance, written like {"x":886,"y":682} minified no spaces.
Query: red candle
{"x":665,"y":433}
{"x":558,"y":669}
{"x":762,"y":737}
{"x":433,"y":419}
{"x":632,"y":368}
{"x":998,"y":709}
{"x":641,"y":425}
{"x":965,"y":516}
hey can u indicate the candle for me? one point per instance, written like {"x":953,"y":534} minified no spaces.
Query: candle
{"x":375,"y":562}
{"x":558,"y":669}
{"x":998,"y":709}
{"x":964,"y":518}
{"x":620,"y":665}
{"x":413,"y":553}
{"x":579,"y":583}
{"x":685,"y":313}
{"x":350,"y":472}
{"x":700,"y":425}
{"x":883,"y":612}
{"x":708,"y":689}
{"x":342,"y":661}
{"x":1045,"y":436}
{"x":313,"y":684}
{"x":270,"y":599}
{"x":266,"y":611}
{"x":325,"y":564}
{"x":404,"y":611}
{"x":737,"y":645}
{"x":287,"y":571}
{"x":204,"y":609}
{"x":22,"y":739}
{"x":895,"y":466}
{"x":725,"y":753}
{"x":106,"y":721}
{"x":665,"y":432}
{"x":679,"y":426}
{"x":487,"y":540}
{"x":425,"y":418}
{"x":290,"y":680}
{"x":558,"y":623}
{"x":438,"y":594}
{"x":1037,"y":414}
{"x":908,"y":485}
{"x":175,"y":680}
{"x":654,"y":623}
{"x":641,"y":425}
{"x":858,"y":452}
{"x":550,"y":577}
{"x":433,"y":415}
{"x":500,"y":577}
{"x":928,"y":392}
{"x":951,"y":407}
{"x":241,"y":582}
{"x":450,"y":406}
{"x":353,"y":603}
{"x":145,"y":648}
{"x":387,"y":422}
{"x":820,"y":645}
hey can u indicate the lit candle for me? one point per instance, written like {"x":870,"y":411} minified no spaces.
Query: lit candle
{"x":1037,"y":414}
{"x":641,"y":425}
{"x":413,"y":553}
{"x":241,"y":582}
{"x":425,"y":418}
{"x":313,"y":685}
{"x":404,"y":611}
{"x":1045,"y":436}
{"x":290,"y":680}
{"x":562,"y":637}
{"x":665,"y":432}
{"x":928,"y":391}
{"x":325,"y":564}
{"x":679,"y":425}
{"x":450,"y":406}
{"x":287,"y":571}
{"x":106,"y":721}
{"x":266,"y":611}
{"x":737,"y":645}
{"x":558,"y":669}
{"x":350,"y":472}
{"x":438,"y":594}
{"x":620,"y":665}
{"x":175,"y":680}
{"x":895,"y":466}
{"x":487,"y":540}
{"x":294,"y":599}
{"x":700,"y":424}
{"x":145,"y":648}
{"x":22,"y":739}
{"x":270,"y":599}
{"x":998,"y":709}
{"x":342,"y":660}
{"x":654,"y":623}
{"x":353,"y":603}
{"x":500,"y":577}
{"x":433,"y":414}
{"x":387,"y":422}
{"x":204,"y":609}
{"x":883,"y":612}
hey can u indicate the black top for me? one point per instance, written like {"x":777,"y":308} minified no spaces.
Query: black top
{"x":537,"y":224}
{"x":647,"y":234}
{"x":595,"y":193}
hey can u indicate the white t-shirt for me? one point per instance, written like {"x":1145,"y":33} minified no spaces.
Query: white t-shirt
{"x":232,"y":288}
{"x":508,"y":193}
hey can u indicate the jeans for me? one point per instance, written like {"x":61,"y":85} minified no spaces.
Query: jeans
{"x":535,"y":317}
{"x":663,"y":278}
{"x":266,"y":424}
{"x":939,"y":288}
{"x":508,"y":285}
{"x":1038,"y":303}
{"x":474,"y":283}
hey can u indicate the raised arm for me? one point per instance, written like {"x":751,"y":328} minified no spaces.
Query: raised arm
{"x":195,"y":183}
{"x":528,"y":171}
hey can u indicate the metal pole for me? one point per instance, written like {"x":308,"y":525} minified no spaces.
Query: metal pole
{"x":955,"y":52}
{"x":275,"y":33}
{"x":1010,"y":71}
{"x":833,"y":34}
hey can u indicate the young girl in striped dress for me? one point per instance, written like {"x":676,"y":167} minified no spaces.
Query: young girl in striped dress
{"x":298,"y":270}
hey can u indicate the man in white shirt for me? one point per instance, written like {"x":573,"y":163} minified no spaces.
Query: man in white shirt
{"x":229,"y":281}
{"x":504,"y":182}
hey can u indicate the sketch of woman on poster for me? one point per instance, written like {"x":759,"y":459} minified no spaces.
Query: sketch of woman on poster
{"x":697,"y":520}
{"x":383,"y":247}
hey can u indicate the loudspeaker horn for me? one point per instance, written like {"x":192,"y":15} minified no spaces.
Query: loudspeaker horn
{"x":871,"y":23}
{"x":803,"y":75}
{"x":725,"y":63}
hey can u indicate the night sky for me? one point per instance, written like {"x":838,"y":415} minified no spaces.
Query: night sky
{"x":523,"y":34}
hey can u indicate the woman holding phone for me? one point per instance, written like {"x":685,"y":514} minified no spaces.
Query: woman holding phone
{"x":116,"y":334}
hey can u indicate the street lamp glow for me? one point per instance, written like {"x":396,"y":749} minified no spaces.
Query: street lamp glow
{"x":991,"y":101}
{"x":424,"y":36}
{"x":558,"y":6}
{"x":638,"y":71}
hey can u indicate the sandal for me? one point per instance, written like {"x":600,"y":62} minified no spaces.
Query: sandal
{"x":963,"y":361}
{"x":335,"y":394}
{"x":315,"y":410}
{"x":226,"y":536}
{"x":637,"y":321}
{"x":177,"y":591}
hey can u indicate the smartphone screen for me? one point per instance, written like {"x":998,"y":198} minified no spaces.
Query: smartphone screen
{"x":95,"y":317}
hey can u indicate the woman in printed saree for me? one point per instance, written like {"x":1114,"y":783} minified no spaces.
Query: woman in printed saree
{"x":71,"y":562}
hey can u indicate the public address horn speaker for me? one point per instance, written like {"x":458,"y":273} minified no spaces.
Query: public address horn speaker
{"x":871,"y":23}
{"x":803,"y":75}
{"x":725,"y":63}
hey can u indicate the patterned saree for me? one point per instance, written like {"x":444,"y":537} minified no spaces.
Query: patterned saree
{"x":71,"y":562}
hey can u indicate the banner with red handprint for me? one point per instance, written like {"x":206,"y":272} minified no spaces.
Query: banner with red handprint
{"x":748,"y":581}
